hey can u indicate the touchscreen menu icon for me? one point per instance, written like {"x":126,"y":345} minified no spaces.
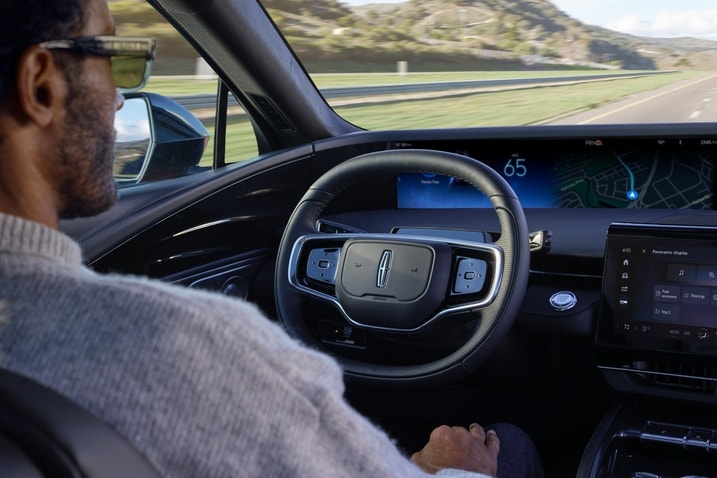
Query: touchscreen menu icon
{"x":623,"y":296}
{"x":681,"y":272}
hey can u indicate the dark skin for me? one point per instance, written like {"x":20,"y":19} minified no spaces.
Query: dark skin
{"x":36,"y":185}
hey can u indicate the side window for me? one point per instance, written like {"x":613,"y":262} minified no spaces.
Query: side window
{"x":240,"y":138}
{"x":182,"y":76}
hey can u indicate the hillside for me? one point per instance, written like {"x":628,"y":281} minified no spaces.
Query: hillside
{"x":521,"y":33}
{"x":331,"y":36}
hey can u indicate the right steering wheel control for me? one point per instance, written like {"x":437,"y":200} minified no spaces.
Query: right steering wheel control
{"x":470,"y":275}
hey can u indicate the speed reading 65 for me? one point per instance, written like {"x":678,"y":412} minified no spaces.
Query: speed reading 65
{"x":515,"y":167}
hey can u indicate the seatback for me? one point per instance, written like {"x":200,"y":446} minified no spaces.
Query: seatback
{"x":44,"y":434}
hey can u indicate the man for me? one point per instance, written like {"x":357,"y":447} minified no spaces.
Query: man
{"x":201,"y":384}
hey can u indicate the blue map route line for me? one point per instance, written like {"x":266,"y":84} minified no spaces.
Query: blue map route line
{"x":631,"y":193}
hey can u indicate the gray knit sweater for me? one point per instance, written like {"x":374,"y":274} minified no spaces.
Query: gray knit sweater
{"x":202,"y":384}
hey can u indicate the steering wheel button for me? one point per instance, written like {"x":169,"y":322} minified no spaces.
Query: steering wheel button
{"x":322,"y":264}
{"x":470,"y":275}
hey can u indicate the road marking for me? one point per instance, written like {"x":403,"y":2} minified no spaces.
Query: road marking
{"x":647,"y":99}
{"x":695,"y":114}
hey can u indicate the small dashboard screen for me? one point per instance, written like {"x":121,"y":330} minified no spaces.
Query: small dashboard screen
{"x":660,"y":289}
{"x":593,"y":173}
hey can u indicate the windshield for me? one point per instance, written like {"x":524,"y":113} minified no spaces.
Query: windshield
{"x":452,"y":63}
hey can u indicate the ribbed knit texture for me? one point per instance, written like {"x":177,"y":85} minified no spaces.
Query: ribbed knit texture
{"x":202,"y":384}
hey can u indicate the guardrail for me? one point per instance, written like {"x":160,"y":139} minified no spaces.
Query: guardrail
{"x":192,"y":102}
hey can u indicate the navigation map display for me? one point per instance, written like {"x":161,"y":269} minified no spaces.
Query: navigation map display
{"x":593,"y":173}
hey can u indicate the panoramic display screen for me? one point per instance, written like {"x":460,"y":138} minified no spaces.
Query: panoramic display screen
{"x":592,"y":173}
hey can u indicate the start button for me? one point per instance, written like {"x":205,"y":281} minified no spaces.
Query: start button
{"x":563,"y":300}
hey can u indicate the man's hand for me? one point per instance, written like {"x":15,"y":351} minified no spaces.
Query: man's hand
{"x":455,"y":447}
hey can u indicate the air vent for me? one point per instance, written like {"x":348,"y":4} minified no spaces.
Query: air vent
{"x":684,"y":376}
{"x":272,"y":113}
{"x":555,"y":270}
{"x":329,"y":227}
{"x":561,"y":265}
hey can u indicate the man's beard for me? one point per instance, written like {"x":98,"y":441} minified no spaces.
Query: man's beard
{"x":86,"y":153}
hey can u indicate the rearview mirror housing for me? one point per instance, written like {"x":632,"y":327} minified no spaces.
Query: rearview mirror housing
{"x":157,"y":138}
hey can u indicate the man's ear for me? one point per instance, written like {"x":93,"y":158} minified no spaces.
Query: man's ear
{"x":40,"y":83}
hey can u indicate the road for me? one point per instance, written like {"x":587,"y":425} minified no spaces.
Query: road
{"x":693,"y":100}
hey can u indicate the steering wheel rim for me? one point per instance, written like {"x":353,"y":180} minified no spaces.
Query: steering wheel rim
{"x":496,"y":317}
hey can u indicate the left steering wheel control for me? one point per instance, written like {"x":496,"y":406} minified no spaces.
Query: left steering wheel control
{"x":322,"y":264}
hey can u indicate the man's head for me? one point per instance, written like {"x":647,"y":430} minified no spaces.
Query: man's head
{"x":57,"y":112}
{"x":59,"y":68}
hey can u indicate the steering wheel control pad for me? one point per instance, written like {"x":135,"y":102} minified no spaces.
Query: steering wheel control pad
{"x":392,"y":284}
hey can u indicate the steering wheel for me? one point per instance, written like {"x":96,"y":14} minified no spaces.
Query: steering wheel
{"x":404,"y":287}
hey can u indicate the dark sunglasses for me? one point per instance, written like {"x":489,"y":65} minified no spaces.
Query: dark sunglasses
{"x":131,"y":57}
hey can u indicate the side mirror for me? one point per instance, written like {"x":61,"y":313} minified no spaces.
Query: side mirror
{"x":157,"y":138}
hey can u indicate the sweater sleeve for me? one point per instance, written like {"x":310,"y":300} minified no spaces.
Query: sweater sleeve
{"x":452,"y":472}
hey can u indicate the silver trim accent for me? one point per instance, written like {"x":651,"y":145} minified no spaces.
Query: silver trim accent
{"x":212,"y":224}
{"x":495,"y":251}
{"x":384,"y":268}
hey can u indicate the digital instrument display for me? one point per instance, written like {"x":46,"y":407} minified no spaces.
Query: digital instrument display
{"x":593,"y":173}
{"x":660,"y":289}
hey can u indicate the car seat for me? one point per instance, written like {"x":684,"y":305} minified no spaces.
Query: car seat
{"x":42,"y":434}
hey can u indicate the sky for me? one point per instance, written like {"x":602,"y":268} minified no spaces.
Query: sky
{"x":653,"y":18}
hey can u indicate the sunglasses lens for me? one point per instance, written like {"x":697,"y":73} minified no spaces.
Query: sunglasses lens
{"x":130,"y":73}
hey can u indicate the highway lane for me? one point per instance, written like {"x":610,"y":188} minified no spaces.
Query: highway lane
{"x":693,"y":100}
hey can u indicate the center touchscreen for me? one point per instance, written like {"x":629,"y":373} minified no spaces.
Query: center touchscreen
{"x":660,"y":289}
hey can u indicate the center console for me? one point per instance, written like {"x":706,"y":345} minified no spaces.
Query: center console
{"x":656,"y":341}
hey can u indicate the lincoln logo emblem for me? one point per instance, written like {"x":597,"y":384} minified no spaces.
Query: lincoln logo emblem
{"x":384,"y":267}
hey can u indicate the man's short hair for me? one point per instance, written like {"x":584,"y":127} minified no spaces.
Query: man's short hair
{"x":27,"y":22}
